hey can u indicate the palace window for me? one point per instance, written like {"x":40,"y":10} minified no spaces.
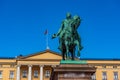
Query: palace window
{"x":11,"y":74}
{"x":11,"y":65}
{"x":0,"y":65}
{"x":35,"y":73}
{"x":93,"y":77}
{"x":0,"y":74}
{"x":115,"y":75}
{"x":47,"y":73}
{"x":24,"y":74}
{"x":104,"y":76}
{"x":103,"y":66}
{"x":114,"y":66}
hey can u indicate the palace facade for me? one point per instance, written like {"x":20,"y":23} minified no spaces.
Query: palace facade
{"x":38,"y":66}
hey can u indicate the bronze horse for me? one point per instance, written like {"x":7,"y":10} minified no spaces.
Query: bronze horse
{"x":70,"y":39}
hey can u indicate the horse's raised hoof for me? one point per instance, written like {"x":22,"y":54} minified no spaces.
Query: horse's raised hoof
{"x":81,"y":48}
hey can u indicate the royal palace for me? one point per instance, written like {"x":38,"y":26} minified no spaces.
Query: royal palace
{"x":39,"y":66}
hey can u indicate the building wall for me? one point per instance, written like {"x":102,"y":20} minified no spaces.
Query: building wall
{"x":6,"y":71}
{"x":100,"y":65}
{"x":33,"y":69}
{"x":7,"y":65}
{"x":108,"y":66}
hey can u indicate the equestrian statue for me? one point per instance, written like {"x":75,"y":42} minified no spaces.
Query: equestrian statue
{"x":69,"y":37}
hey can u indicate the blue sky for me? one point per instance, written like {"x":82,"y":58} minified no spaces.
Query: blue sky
{"x":23,"y":22}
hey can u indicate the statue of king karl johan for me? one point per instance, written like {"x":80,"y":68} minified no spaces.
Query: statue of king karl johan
{"x":69,"y":37}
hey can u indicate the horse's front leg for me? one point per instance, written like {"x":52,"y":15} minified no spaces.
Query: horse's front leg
{"x":73,"y":53}
{"x":63,"y":54}
{"x":79,"y":47}
{"x":67,"y":49}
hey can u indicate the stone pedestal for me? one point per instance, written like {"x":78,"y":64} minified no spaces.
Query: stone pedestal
{"x":72,"y":72}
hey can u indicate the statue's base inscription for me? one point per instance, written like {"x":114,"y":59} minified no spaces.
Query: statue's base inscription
{"x":73,"y":72}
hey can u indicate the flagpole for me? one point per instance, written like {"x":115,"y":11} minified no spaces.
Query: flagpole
{"x":46,"y":34}
{"x":47,"y":47}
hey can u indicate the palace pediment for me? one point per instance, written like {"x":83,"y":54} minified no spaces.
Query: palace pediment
{"x":45,"y":55}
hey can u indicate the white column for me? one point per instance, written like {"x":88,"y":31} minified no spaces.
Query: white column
{"x":30,"y":72}
{"x":18,"y":72}
{"x":41,"y":72}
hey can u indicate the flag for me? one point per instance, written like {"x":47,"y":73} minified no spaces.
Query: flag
{"x":46,"y":32}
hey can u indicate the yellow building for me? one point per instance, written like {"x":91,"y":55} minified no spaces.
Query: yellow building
{"x":38,"y":66}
